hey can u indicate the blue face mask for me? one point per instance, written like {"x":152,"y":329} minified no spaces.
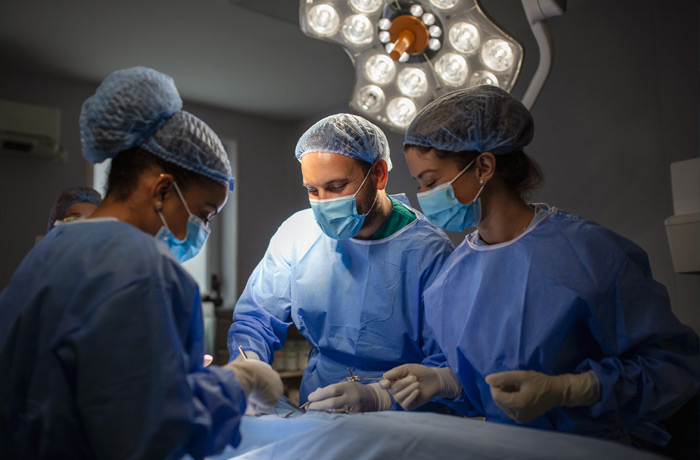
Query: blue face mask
{"x":442,"y":208}
{"x":197,"y":234}
{"x":338,"y":217}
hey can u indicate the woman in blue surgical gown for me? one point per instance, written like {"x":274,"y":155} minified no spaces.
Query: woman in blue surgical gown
{"x":545,"y":318}
{"x":101,"y":333}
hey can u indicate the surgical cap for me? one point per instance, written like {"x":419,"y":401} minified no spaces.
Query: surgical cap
{"x":140,"y":107}
{"x":348,"y":135}
{"x":68,"y":198}
{"x":481,"y":118}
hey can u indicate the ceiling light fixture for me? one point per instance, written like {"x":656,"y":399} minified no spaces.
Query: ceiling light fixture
{"x":408,"y":52}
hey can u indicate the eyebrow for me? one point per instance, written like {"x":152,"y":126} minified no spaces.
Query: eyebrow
{"x":418,"y":177}
{"x":345,"y":180}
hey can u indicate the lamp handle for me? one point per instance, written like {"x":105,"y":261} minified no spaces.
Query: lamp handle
{"x":537,"y":12}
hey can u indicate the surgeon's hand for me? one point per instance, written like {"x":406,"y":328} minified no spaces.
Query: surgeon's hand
{"x":525,"y":395}
{"x":413,"y":385}
{"x":262,"y":384}
{"x":350,"y":396}
{"x":207,"y":359}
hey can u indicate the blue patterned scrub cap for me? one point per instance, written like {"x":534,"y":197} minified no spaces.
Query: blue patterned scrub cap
{"x":345,"y":134}
{"x":481,"y":118}
{"x":140,"y":107}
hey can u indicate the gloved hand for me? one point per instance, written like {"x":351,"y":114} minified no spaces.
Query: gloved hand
{"x":249,"y":354}
{"x":350,"y":396}
{"x":207,"y":359}
{"x":262,"y":384}
{"x":525,"y":395}
{"x":413,"y":385}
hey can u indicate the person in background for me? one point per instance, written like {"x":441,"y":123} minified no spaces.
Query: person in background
{"x":546,"y":319}
{"x":101,"y":333}
{"x":74,"y":203}
{"x":349,"y":272}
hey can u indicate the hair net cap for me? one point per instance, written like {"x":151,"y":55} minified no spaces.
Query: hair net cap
{"x":140,"y":107}
{"x":68,"y":198}
{"x":348,"y":135}
{"x":481,"y":118}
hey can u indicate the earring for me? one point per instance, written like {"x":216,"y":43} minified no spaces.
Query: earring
{"x":159,"y":206}
{"x":481,"y":181}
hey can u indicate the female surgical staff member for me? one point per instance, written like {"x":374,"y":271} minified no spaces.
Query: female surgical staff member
{"x":545,"y":318}
{"x":101,"y":333}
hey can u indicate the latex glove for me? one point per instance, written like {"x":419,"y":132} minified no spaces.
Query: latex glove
{"x":262,"y":384}
{"x":207,"y":360}
{"x":249,"y":354}
{"x":413,"y":385}
{"x":350,"y":396}
{"x":525,"y":395}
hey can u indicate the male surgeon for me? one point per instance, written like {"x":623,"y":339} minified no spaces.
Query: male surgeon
{"x":349,"y":272}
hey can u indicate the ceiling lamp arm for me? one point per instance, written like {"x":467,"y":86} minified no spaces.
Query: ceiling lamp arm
{"x":537,"y":12}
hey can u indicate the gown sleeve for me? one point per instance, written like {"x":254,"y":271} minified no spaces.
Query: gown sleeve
{"x":651,"y":365}
{"x":433,"y":356}
{"x":136,"y":367}
{"x":263,"y":312}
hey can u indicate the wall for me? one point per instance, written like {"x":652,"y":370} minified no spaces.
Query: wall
{"x":28,"y":186}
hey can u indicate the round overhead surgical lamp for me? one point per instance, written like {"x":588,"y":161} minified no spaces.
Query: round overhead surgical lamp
{"x":408,"y":52}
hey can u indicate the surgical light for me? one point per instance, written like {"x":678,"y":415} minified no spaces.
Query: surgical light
{"x":409,"y":52}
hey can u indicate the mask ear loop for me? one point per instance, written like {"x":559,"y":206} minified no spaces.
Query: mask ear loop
{"x":360,"y":188}
{"x":481,"y":181}
{"x":363,"y":183}
{"x":463,"y":171}
{"x":159,"y":209}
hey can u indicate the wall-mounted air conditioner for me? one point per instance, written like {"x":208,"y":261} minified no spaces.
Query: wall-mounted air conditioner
{"x":30,"y":130}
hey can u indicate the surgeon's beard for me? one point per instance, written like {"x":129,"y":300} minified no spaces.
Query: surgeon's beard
{"x":376,"y":210}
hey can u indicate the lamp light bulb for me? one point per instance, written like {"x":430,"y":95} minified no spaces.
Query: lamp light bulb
{"x":452,"y":69}
{"x":357,"y":29}
{"x":323,"y":19}
{"x":370,"y":98}
{"x":416,"y":10}
{"x":483,"y":77}
{"x":380,"y":69}
{"x":464,"y":37}
{"x":401,"y":111}
{"x":412,"y":82}
{"x":428,"y":19}
{"x":366,"y":6}
{"x":497,"y":54}
{"x":384,"y":24}
{"x":444,"y":4}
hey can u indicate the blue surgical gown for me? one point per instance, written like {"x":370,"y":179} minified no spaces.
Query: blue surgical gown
{"x":567,"y":296}
{"x":358,"y":302}
{"x":101,"y":345}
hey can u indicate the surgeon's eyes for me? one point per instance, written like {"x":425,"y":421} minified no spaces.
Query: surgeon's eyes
{"x":426,"y":186}
{"x":336,"y":188}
